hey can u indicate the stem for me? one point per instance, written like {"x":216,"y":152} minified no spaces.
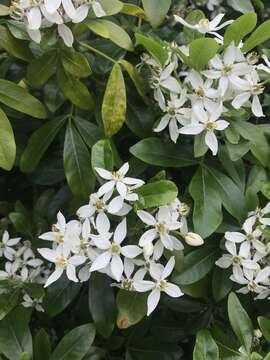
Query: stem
{"x":89,"y":47}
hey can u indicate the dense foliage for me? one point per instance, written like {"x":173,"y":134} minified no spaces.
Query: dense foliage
{"x":139,"y":129}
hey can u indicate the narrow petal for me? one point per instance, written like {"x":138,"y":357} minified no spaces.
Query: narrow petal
{"x":66,"y":34}
{"x":120,"y":231}
{"x":211,"y":142}
{"x":152,"y":301}
{"x":173,"y":290}
{"x":117,"y":267}
{"x":131,"y":251}
{"x":71,"y":273}
{"x":146,"y":217}
{"x":54,"y":276}
{"x":101,"y":261}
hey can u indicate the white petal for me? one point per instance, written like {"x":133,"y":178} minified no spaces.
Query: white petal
{"x":121,"y":188}
{"x":147,"y":237}
{"x":81,"y":13}
{"x":106,"y":188}
{"x":86,"y":211}
{"x":104,"y":174}
{"x":98,"y":10}
{"x":211,"y":141}
{"x":248,"y":225}
{"x":235,"y":237}
{"x":115,"y":205}
{"x":54,"y":276}
{"x":101,"y":261}
{"x":117,"y":267}
{"x":103,"y":223}
{"x":143,"y":285}
{"x":257,"y":107}
{"x":120,"y":231}
{"x":52,"y":5}
{"x":71,"y":273}
{"x":35,"y":35}
{"x":48,"y":254}
{"x":173,"y":290}
{"x":168,"y":268}
{"x":222,"y":125}
{"x":152,"y":301}
{"x":193,"y":129}
{"x":183,"y":22}
{"x":224,"y":262}
{"x":69,"y":8}
{"x":146,"y":217}
{"x":77,"y":260}
{"x":124,"y":169}
{"x":131,"y":251}
{"x":34,"y":18}
{"x":240,"y":100}
{"x":66,"y":34}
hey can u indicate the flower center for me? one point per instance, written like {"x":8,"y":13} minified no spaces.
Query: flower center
{"x":250,"y":237}
{"x":61,"y":261}
{"x":184,"y":209}
{"x":163,"y":285}
{"x":117,"y":175}
{"x":115,"y":249}
{"x":200,"y":92}
{"x":127,"y":284}
{"x":237,"y":260}
{"x":257,"y":89}
{"x":161,"y":228}
{"x":252,"y":286}
{"x":99,"y":204}
{"x":227,"y":69}
{"x":210,"y":125}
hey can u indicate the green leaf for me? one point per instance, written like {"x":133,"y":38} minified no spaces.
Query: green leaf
{"x":59,"y":295}
{"x":133,"y":10}
{"x":240,"y":28}
{"x":201,"y":51}
{"x":34,"y":290}
{"x":265,"y":189}
{"x":156,"y":14}
{"x":102,"y":304}
{"x":154,"y":151}
{"x":197,"y":264}
{"x":114,"y":102}
{"x":15,"y":47}
{"x":207,"y":215}
{"x":75,"y":63}
{"x":111,"y":7}
{"x":158,"y":193}
{"x":132,"y":307}
{"x":98,"y":27}
{"x":7,"y":143}
{"x":265,"y":327}
{"x":134,"y":75}
{"x":88,"y":131}
{"x":77,"y":163}
{"x":237,"y":151}
{"x":193,"y":18}
{"x":205,"y":347}
{"x":102,"y":155}
{"x":118,"y":35}
{"x":44,"y":66}
{"x":74,"y":90}
{"x":15,"y":336}
{"x":9,"y":301}
{"x":76,"y":344}
{"x":259,"y":36}
{"x":42,"y":346}
{"x":242,"y":6}
{"x":232,"y":196}
{"x":240,"y":322}
{"x":19,"y":99}
{"x":155,"y":48}
{"x":4,"y":10}
{"x":221,"y":283}
{"x":38,"y":144}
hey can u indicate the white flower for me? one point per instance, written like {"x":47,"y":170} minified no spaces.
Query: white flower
{"x":193,"y":239}
{"x":255,"y":281}
{"x":263,"y":67}
{"x":127,"y":281}
{"x":6,"y":246}
{"x":175,"y":114}
{"x":159,"y":273}
{"x":202,"y":90}
{"x":228,"y":68}
{"x":112,"y":251}
{"x":205,"y":26}
{"x":161,"y":227}
{"x":63,"y":263}
{"x":34,"y":303}
{"x":259,"y":214}
{"x":249,"y":87}
{"x":209,"y":121}
{"x":10,"y":271}
{"x":117,"y":180}
{"x":251,"y":237}
{"x":236,"y":260}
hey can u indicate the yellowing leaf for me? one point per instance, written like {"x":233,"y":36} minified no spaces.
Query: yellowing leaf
{"x":114,"y":103}
{"x":134,"y":75}
{"x":7,"y":143}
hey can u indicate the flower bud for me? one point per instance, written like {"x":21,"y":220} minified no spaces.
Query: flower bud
{"x":148,"y":250}
{"x":193,"y":239}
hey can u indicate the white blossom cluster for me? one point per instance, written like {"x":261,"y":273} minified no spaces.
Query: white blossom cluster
{"x":38,"y":14}
{"x":248,"y":254}
{"x":20,"y":265}
{"x":194,"y":102}
{"x":100,"y":241}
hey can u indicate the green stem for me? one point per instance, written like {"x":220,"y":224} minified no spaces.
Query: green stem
{"x":89,"y":47}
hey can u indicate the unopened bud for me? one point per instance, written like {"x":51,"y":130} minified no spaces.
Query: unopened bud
{"x":148,"y":250}
{"x":257,"y":333}
{"x":193,"y":239}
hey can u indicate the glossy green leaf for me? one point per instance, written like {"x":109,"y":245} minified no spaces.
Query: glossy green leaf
{"x":15,"y":336}
{"x":19,"y":99}
{"x":42,"y":346}
{"x":134,"y":75}
{"x":154,"y":151}
{"x":75,"y":345}
{"x":207,"y":214}
{"x":7,"y":143}
{"x":242,"y":6}
{"x":221,"y":283}
{"x":102,"y":304}
{"x":90,"y":132}
{"x":197,"y":264}
{"x":240,"y":322}
{"x":240,"y":28}
{"x":15,"y":47}
{"x":98,"y":27}
{"x":205,"y":347}
{"x":157,"y":193}
{"x":114,"y":102}
{"x":265,"y":327}
{"x":44,"y":66}
{"x":156,"y":14}
{"x":155,"y":48}
{"x":38,"y":144}
{"x":118,"y":35}
{"x":259,"y":36}
{"x":75,"y":63}
{"x":111,"y":7}
{"x":8,"y":301}
{"x":102,"y":155}
{"x":74,"y":90}
{"x":77,"y":163}
{"x":201,"y":51}
{"x":132,"y":307}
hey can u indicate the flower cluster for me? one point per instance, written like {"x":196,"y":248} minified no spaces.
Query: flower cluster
{"x":248,"y":254}
{"x":37,"y":14}
{"x":195,"y":102}
{"x":21,"y":265}
{"x":100,"y":241}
